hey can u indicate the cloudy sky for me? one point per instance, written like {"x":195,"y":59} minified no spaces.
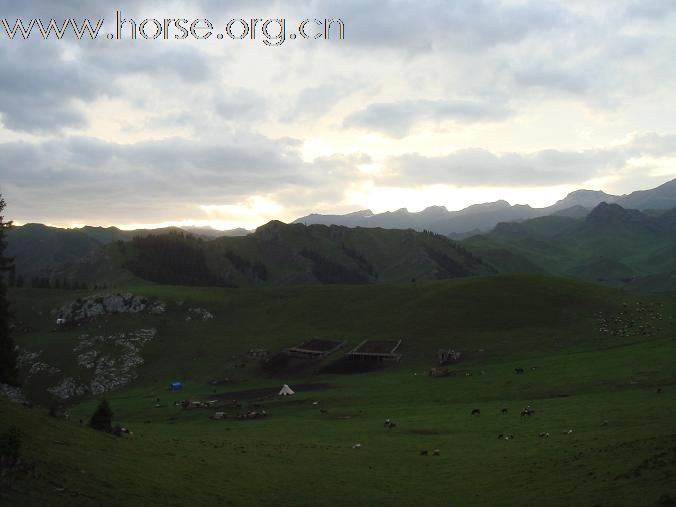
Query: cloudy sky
{"x":424,"y":102}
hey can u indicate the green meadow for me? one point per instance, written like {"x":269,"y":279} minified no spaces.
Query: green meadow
{"x":604,"y":402}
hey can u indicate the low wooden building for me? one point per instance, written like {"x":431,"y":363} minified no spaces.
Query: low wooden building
{"x":376,"y":350}
{"x":315,"y":348}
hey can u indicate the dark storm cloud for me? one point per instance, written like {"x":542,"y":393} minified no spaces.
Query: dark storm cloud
{"x":41,"y":87}
{"x":38,"y":96}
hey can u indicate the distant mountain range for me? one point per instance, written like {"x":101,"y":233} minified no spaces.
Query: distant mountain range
{"x":578,"y":237}
{"x":483,"y":217}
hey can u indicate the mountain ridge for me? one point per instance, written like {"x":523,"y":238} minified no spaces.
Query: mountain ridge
{"x":485,"y":216}
{"x":611,"y":244}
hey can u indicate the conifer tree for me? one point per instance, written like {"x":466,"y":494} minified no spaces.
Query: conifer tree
{"x":102,"y":418}
{"x":8,"y":371}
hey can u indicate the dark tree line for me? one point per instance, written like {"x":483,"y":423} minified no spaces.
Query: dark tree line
{"x":361,"y":261}
{"x":41,"y":282}
{"x":257,"y":268}
{"x":174,"y":258}
{"x":44,"y":282}
{"x":8,"y":371}
{"x":448,"y":267}
{"x":329,"y":272}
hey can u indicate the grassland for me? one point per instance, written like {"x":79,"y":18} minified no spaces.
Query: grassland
{"x":622,"y":450}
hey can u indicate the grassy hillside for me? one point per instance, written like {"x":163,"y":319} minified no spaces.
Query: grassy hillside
{"x":483,"y":316}
{"x":279,"y":254}
{"x":621,"y":451}
{"x":41,"y":250}
{"x":612,"y":245}
{"x":38,"y":248}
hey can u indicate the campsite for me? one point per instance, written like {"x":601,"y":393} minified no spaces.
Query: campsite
{"x":594,"y":393}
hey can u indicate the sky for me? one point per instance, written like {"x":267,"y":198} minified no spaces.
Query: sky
{"x":424,"y":102}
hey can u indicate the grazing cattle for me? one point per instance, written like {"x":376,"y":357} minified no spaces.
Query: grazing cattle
{"x":659,"y":390}
{"x":519,"y":370}
{"x":568,"y":432}
{"x":544,"y":435}
{"x":436,"y":452}
{"x":504,"y":410}
{"x":323,"y":411}
{"x":476,"y":411}
{"x":527,"y":412}
{"x":423,"y":453}
{"x":356,"y":446}
{"x":501,"y":436}
{"x":604,"y":423}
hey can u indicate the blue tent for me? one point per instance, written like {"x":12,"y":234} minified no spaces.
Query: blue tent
{"x":176,"y":386}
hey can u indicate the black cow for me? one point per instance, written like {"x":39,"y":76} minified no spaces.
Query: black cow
{"x":519,"y":371}
{"x":476,"y":411}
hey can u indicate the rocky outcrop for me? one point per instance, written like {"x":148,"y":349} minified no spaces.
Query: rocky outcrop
{"x":100,"y":305}
{"x":12,"y":393}
{"x":106,"y":363}
{"x":68,"y":388}
{"x":199,"y":314}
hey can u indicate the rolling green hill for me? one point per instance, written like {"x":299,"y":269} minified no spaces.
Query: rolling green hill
{"x":611,"y":245}
{"x":276,"y":254}
{"x":41,"y":250}
{"x":280,"y":254}
{"x":38,"y":248}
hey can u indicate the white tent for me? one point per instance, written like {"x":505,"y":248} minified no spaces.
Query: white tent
{"x":286,"y":391}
